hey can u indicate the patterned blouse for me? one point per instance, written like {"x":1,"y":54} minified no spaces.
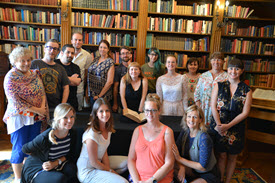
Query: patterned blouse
{"x":97,"y":77}
{"x":191,"y":86}
{"x":203,"y":92}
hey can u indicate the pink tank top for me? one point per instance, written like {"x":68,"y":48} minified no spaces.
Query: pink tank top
{"x":151,"y":156}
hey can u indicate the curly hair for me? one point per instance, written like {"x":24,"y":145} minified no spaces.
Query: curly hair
{"x":17,"y":53}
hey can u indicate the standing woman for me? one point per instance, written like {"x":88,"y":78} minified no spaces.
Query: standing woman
{"x":172,"y":90}
{"x":27,"y":106}
{"x":207,"y":82}
{"x":194,"y":151}
{"x":93,"y":163}
{"x":52,"y":153}
{"x":231,"y":101}
{"x":133,"y":88}
{"x":150,"y":156}
{"x":153,"y":69}
{"x":191,"y":77}
{"x":101,"y":74}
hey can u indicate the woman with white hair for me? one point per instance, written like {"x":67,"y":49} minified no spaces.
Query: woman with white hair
{"x":52,"y":152}
{"x":27,"y":107}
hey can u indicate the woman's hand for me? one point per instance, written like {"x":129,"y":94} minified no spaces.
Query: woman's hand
{"x":176,"y":152}
{"x":49,"y":165}
{"x":222,"y":129}
{"x":41,"y":111}
{"x":96,"y":97}
{"x":181,"y":174}
{"x":112,"y":171}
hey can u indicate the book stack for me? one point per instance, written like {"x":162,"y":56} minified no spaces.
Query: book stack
{"x":41,"y":2}
{"x":239,"y":11}
{"x":262,"y":80}
{"x":179,"y":25}
{"x":11,"y":14}
{"x":29,"y":33}
{"x":106,"y":21}
{"x":172,"y":7}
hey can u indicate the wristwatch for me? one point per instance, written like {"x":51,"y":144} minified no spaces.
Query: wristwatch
{"x":59,"y":161}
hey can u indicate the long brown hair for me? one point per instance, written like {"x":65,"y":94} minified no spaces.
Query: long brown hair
{"x":94,"y":122}
{"x":108,"y":45}
{"x":127,"y":77}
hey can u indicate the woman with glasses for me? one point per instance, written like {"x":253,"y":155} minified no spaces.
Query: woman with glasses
{"x":153,"y":69}
{"x":150,"y":157}
{"x":133,"y":88}
{"x":172,"y":90}
{"x":27,"y":106}
{"x":207,"y":82}
{"x":101,"y":74}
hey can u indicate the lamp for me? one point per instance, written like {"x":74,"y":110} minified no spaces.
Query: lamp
{"x":225,"y":20}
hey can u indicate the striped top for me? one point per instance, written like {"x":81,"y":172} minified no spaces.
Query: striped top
{"x":60,"y":149}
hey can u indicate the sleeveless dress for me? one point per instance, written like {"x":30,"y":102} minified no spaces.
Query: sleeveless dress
{"x":228,"y":109}
{"x":151,"y":156}
{"x":133,"y":97}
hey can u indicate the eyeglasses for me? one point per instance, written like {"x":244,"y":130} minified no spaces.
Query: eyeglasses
{"x":127,"y":53}
{"x":153,"y":54}
{"x":150,"y":110}
{"x":51,"y":48}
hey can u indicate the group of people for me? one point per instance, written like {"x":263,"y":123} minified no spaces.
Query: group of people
{"x":213,"y":105}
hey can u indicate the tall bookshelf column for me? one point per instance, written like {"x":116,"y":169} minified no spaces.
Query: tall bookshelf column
{"x":65,"y":21}
{"x":216,"y":31}
{"x":142,"y":31}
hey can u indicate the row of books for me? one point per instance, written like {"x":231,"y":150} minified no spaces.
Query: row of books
{"x":130,"y":5}
{"x":36,"y":50}
{"x":11,"y":14}
{"x":179,"y":25}
{"x":29,"y":33}
{"x":231,"y":28}
{"x":256,"y":65}
{"x":248,"y":47}
{"x":238,"y":11}
{"x":263,"y":80}
{"x":41,"y":2}
{"x":107,"y":21}
{"x":177,"y":43}
{"x":113,"y":38}
{"x":172,"y":7}
{"x":116,"y":56}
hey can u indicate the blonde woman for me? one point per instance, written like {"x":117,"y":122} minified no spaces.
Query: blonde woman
{"x":51,"y":153}
{"x":194,"y":150}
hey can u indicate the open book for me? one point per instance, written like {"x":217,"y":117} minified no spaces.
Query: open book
{"x":133,"y":115}
{"x":263,"y":94}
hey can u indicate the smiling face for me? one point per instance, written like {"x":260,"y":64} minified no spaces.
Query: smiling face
{"x":67,"y":122}
{"x":23,"y":64}
{"x":151,"y":111}
{"x":171,"y":63}
{"x":125,"y":55}
{"x":103,"y":113}
{"x":234,"y":73}
{"x":134,"y":72}
{"x":217,"y":64}
{"x":51,"y":50}
{"x":193,"y":67}
{"x":103,"y":49}
{"x":153,"y":57}
{"x":77,"y":41}
{"x":193,"y":120}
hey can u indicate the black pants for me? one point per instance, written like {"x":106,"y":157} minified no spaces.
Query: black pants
{"x":66,"y":175}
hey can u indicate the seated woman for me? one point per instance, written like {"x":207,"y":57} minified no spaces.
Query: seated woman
{"x":172,"y":90}
{"x":93,"y":164}
{"x":133,"y":88}
{"x":150,"y":156}
{"x":52,"y":152}
{"x":194,"y":151}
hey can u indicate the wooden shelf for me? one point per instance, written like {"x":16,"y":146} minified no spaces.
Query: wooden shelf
{"x":104,"y":10}
{"x":23,"y":41}
{"x":252,"y":19}
{"x":247,"y":54}
{"x":248,"y":37}
{"x":94,"y":45}
{"x":31,"y":23}
{"x":190,"y":51}
{"x":180,"y":15}
{"x":105,"y":28}
{"x":30,"y":5}
{"x":259,"y":72}
{"x":181,"y":33}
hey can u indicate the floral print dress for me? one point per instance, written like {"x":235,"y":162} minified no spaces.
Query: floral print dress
{"x":228,"y":108}
{"x":191,"y":86}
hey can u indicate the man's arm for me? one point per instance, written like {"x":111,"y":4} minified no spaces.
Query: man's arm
{"x":75,"y":80}
{"x":66,"y":92}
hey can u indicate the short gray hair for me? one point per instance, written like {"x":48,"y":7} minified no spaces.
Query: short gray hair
{"x":17,"y":53}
